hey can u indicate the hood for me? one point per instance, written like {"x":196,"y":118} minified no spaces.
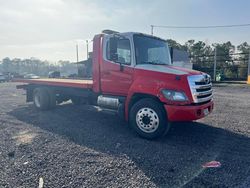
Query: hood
{"x":169,"y":69}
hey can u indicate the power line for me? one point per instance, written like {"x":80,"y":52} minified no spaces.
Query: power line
{"x":198,"y":27}
{"x":201,"y":27}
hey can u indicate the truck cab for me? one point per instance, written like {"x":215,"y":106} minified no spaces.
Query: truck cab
{"x":132,"y":73}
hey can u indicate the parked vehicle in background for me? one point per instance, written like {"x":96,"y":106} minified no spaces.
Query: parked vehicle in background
{"x":132,"y":73}
{"x":3,"y":78}
{"x":72,"y":76}
{"x":54,"y":74}
{"x":31,"y":76}
{"x":6,"y":77}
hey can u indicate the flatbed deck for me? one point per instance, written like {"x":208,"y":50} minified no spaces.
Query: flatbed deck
{"x":75,"y":83}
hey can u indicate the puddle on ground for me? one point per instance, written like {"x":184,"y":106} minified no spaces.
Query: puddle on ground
{"x":24,"y":137}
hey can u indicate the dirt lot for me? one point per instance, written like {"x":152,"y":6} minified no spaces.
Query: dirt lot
{"x":82,"y":146}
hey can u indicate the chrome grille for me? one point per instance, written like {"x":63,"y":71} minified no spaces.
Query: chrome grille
{"x":201,"y":88}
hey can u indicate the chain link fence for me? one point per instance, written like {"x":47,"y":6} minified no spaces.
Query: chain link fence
{"x":223,"y":66}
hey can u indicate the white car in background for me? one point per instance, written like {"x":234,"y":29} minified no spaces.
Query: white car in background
{"x":31,"y":76}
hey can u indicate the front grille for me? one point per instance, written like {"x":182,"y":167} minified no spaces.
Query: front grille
{"x":201,"y":88}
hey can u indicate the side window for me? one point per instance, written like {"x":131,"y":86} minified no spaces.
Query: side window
{"x":123,"y":51}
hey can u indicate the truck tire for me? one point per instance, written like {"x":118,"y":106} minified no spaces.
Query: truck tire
{"x":41,"y":99}
{"x":149,"y":119}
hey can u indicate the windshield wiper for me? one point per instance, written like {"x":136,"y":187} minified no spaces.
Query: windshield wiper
{"x":155,"y":62}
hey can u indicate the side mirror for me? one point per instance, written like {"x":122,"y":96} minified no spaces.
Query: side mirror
{"x":113,"y":49}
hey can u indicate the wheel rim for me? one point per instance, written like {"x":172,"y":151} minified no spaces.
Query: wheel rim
{"x":37,"y":101}
{"x":147,"y":120}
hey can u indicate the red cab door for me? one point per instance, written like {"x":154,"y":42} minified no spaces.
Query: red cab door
{"x":117,"y":77}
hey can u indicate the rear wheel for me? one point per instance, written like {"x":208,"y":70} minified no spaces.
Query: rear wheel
{"x":41,"y":99}
{"x":148,"y":118}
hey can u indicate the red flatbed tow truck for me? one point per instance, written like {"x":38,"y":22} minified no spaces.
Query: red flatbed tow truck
{"x":132,"y":73}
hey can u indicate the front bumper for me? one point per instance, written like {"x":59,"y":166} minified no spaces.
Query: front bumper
{"x":188,"y":113}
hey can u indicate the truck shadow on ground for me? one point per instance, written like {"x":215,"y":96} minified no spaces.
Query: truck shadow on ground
{"x":175,"y":159}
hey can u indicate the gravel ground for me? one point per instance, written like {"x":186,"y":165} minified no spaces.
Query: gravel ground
{"x":82,"y":146}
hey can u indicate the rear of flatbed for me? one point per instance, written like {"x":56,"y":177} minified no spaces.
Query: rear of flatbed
{"x":47,"y":92}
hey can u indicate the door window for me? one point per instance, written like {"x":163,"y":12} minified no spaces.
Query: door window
{"x":123,"y":51}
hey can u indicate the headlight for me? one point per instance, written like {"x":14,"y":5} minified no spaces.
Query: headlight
{"x":174,"y":95}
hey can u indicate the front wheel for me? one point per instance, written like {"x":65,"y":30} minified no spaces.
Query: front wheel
{"x":148,"y":118}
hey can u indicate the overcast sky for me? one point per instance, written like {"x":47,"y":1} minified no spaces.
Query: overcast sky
{"x":50,"y":29}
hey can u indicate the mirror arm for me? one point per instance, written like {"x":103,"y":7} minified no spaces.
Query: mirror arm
{"x":121,"y":66}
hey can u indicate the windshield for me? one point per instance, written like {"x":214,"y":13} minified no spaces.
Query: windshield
{"x":149,"y":50}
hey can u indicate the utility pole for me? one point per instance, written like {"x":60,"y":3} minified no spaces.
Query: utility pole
{"x":215,"y":62}
{"x":87,"y":43}
{"x":77,"y":53}
{"x":152,"y":30}
{"x":248,"y":77}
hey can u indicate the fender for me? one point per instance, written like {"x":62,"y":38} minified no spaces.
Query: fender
{"x":141,"y":86}
{"x":151,"y":83}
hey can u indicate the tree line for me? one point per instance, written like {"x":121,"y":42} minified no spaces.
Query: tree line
{"x":33,"y":65}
